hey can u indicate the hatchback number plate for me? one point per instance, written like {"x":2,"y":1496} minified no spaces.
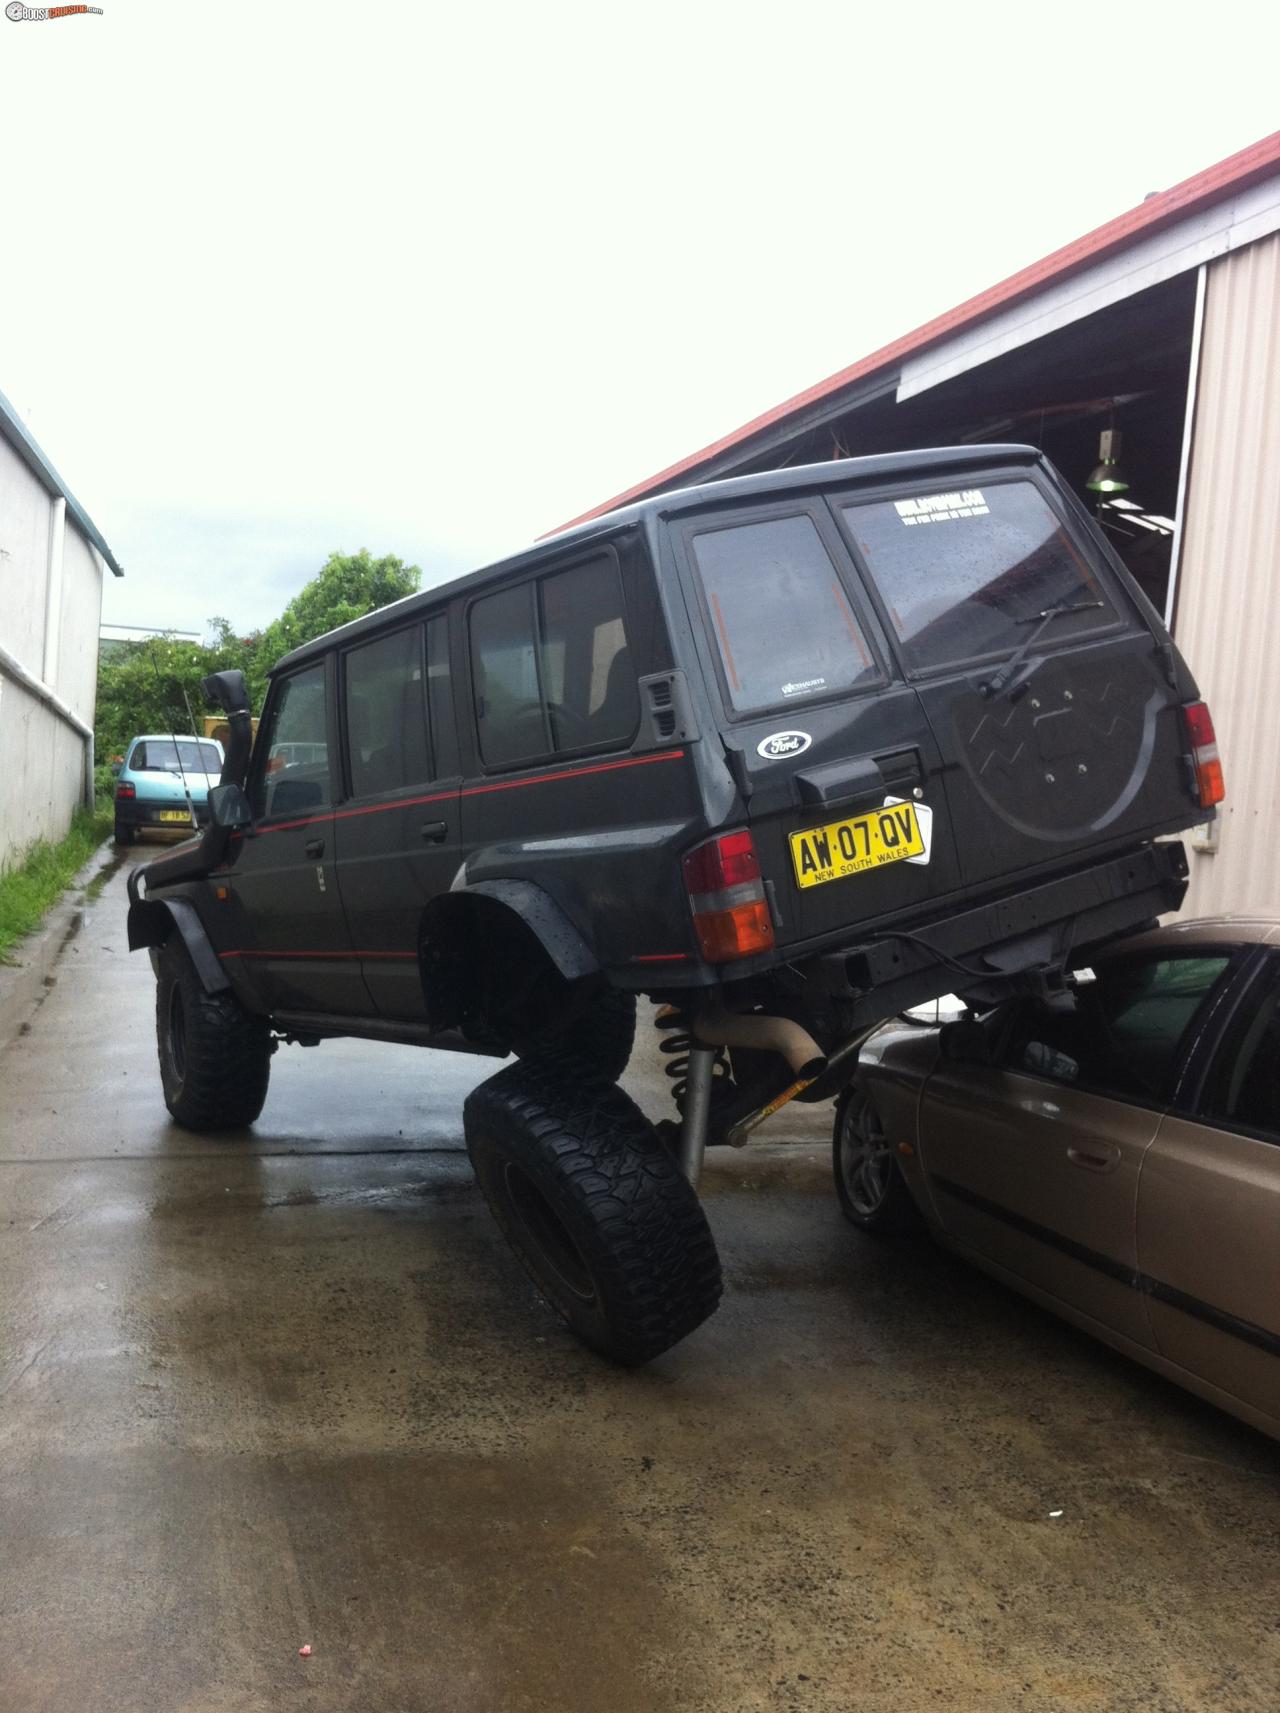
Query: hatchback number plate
{"x":841,"y":848}
{"x":176,"y":815}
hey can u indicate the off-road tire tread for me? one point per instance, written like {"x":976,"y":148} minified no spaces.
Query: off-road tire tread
{"x":228,"y":1051}
{"x":647,"y":1243}
{"x":606,"y":1036}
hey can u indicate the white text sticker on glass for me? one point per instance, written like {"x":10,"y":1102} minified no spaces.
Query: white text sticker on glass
{"x":942,"y":508}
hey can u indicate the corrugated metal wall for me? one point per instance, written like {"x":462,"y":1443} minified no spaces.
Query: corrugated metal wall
{"x":1228,"y":614}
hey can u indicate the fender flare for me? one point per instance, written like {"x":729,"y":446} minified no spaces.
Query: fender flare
{"x":151,"y":921}
{"x":546,"y":921}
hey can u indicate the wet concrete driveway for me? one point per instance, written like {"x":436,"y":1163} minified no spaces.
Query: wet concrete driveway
{"x":290,"y":1387}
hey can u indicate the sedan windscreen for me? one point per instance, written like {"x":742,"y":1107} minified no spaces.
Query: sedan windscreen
{"x":968,"y":574}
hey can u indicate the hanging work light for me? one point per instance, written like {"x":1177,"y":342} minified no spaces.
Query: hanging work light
{"x":1107,"y":477}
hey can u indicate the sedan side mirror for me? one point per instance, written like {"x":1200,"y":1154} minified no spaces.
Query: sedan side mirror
{"x":229,"y":807}
{"x":965,"y":1043}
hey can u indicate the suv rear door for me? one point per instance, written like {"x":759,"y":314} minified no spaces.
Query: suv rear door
{"x":1049,"y":699}
{"x":837,"y":754}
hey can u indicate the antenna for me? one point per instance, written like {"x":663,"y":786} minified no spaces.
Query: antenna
{"x":173,"y":739}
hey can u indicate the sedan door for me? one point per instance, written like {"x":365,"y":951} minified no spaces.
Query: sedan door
{"x":1209,"y":1212}
{"x":1033,"y":1161}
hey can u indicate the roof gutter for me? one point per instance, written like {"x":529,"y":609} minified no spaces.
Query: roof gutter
{"x":15,"y":431}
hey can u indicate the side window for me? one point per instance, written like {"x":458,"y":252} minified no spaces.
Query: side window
{"x":444,"y":737}
{"x":552,"y":667}
{"x":1119,"y":1033}
{"x":509,"y":713}
{"x":293,"y":777}
{"x":386,"y":714}
{"x":588,"y":679}
{"x":1244,"y":1085}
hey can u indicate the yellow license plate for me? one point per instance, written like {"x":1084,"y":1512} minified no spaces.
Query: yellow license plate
{"x":176,"y":815}
{"x":849,"y":847}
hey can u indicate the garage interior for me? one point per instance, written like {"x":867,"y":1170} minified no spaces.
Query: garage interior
{"x":1125,"y":367}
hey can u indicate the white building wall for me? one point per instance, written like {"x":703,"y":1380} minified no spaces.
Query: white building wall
{"x":25,"y":511}
{"x":42,"y":757}
{"x":1228,"y":610}
{"x":82,"y":577}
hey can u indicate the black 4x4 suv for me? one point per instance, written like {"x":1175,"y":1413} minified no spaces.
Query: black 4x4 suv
{"x":787,"y":753}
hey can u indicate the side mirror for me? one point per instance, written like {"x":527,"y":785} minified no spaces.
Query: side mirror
{"x":229,"y":807}
{"x":116,"y":768}
{"x":965,"y":1043}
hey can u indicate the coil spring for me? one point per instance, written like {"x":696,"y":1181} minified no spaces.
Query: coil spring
{"x":676,"y":1045}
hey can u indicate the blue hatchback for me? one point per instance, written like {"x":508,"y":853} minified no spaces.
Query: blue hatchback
{"x":163,"y":781}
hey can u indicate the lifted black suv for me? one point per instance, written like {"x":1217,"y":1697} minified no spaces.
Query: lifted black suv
{"x":788,"y":753}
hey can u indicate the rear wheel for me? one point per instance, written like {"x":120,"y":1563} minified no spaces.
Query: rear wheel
{"x":608,"y":1229}
{"x":873,"y":1193}
{"x":125,"y":835}
{"x":593,"y":1024}
{"x":215,"y":1058}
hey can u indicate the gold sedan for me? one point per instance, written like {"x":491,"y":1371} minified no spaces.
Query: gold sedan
{"x":1112,"y":1151}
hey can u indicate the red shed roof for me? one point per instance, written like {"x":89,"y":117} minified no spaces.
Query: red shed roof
{"x":1166,"y":208}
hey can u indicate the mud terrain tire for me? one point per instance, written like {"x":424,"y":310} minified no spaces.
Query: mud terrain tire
{"x":215,"y":1059}
{"x":597,"y":1211}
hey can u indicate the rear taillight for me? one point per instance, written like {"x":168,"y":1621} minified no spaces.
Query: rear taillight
{"x":726,"y":895}
{"x":123,"y":791}
{"x":1205,"y":764}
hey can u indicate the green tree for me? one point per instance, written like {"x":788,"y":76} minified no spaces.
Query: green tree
{"x":348,"y":586}
{"x":155,"y":686}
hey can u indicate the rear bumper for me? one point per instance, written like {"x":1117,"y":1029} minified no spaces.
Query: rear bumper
{"x":975,"y":952}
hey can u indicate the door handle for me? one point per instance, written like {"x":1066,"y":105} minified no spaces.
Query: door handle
{"x":435,"y":832}
{"x":1100,"y":1157}
{"x":314,"y":848}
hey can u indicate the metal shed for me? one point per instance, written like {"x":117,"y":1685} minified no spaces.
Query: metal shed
{"x":1163,"y":324}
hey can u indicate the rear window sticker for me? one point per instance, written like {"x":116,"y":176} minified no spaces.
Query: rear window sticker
{"x":942,"y":508}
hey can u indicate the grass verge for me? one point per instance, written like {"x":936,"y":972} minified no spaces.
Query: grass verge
{"x":27,"y":891}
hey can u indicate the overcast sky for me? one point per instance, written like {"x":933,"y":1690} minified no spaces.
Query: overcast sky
{"x":286,"y":277}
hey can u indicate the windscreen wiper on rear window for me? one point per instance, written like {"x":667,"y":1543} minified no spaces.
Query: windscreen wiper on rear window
{"x":1000,"y":681}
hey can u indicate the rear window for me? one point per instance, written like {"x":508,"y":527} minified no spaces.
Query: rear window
{"x":966,"y":574}
{"x":162,"y":755}
{"x":779,"y":613}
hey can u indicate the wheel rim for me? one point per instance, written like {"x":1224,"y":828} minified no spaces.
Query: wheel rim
{"x":548,"y":1234}
{"x":866,"y":1159}
{"x":177,"y":1033}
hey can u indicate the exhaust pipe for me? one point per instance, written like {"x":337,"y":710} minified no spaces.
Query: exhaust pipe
{"x":720,"y":1028}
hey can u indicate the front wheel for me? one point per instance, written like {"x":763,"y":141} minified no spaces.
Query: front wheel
{"x":215,"y":1058}
{"x":601,"y":1218}
{"x":872,"y":1191}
